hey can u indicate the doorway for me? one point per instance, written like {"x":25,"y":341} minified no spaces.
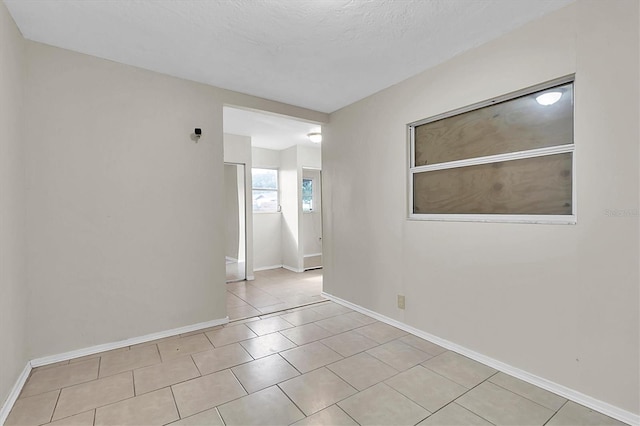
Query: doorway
{"x":235,"y":223}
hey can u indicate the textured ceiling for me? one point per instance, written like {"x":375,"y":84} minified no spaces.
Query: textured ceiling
{"x":268,"y":130}
{"x":318,"y":54}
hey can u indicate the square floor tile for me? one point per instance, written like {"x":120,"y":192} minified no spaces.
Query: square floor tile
{"x":362,"y":370}
{"x":529,"y":391}
{"x":306,"y":333}
{"x":269,"y":325}
{"x":359,"y":318}
{"x":238,"y":312}
{"x":153,"y":408}
{"x":229,"y":335}
{"x":572,"y":414}
{"x":62,"y":376}
{"x":87,"y":396}
{"x":502,"y":407}
{"x":33,"y":410}
{"x":267,"y":345}
{"x":339,"y":324}
{"x":460,"y":369}
{"x":381,"y":405}
{"x":302,"y":317}
{"x":317,"y":390}
{"x":118,"y":362}
{"x":168,"y":373}
{"x":221,"y":358}
{"x":264,"y":372}
{"x":206,"y":392}
{"x":399,"y":355}
{"x":266,"y":407}
{"x":380,"y":332}
{"x":184,"y":346}
{"x":83,"y":419}
{"x":423,"y":345}
{"x":454,"y":415}
{"x":349,"y":343}
{"x":426,"y":388}
{"x":330,"y":309}
{"x":331,"y":416}
{"x":311,"y":356}
{"x":209,"y":417}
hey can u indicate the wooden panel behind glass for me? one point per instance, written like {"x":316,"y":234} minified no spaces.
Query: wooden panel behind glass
{"x":516,"y":125}
{"x":540,"y":185}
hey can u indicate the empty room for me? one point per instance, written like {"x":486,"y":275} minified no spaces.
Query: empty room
{"x":320,"y":212}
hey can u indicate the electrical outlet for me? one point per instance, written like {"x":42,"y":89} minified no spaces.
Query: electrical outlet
{"x":401,"y":301}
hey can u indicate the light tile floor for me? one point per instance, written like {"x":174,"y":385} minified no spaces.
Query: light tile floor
{"x":320,"y":364}
{"x":273,"y":290}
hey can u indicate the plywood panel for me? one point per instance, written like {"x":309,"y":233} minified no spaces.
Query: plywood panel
{"x":540,"y":185}
{"x":516,"y":125}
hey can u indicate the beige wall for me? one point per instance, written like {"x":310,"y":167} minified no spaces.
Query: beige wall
{"x":560,"y":302}
{"x":125,"y":226}
{"x":13,"y":284}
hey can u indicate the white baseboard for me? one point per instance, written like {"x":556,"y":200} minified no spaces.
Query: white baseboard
{"x":313,"y":255}
{"x":250,"y":277}
{"x":586,"y":400}
{"x":127,"y":342}
{"x":14,"y":394}
{"x":266,"y":268}
{"x":292,"y":269}
{"x":38,"y":362}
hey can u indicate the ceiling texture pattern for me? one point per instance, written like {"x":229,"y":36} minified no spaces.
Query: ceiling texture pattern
{"x":317,"y":54}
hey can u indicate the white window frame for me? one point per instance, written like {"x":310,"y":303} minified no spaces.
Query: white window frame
{"x":313,"y":196}
{"x":277,"y":190}
{"x":532,"y":153}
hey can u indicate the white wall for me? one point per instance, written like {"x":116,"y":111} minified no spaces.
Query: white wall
{"x":124,"y":221}
{"x":13,"y":283}
{"x":290,"y":202}
{"x":237,"y":149}
{"x":232,"y":224}
{"x":267,"y":227}
{"x":560,"y":302}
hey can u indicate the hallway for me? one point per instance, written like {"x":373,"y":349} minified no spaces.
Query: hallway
{"x":273,"y":290}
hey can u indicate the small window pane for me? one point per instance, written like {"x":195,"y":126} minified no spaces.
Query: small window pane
{"x":539,"y":185}
{"x":307,"y":195}
{"x":264,"y":178}
{"x":518,"y":124}
{"x":265,"y":201}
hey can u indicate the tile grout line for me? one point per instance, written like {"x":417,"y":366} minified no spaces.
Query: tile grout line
{"x":453,"y":401}
{"x":556,"y":413}
{"x":527,"y":398}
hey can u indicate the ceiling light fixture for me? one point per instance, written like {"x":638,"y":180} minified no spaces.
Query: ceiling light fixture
{"x":549,"y":98}
{"x":315,"y":137}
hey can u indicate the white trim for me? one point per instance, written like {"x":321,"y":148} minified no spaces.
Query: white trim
{"x":573,"y":395}
{"x":127,"y":342}
{"x":250,"y":277}
{"x":292,"y":269}
{"x":494,"y":218}
{"x":15,"y":393}
{"x":312,"y":255}
{"x":488,"y":159}
{"x":265,"y":268}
